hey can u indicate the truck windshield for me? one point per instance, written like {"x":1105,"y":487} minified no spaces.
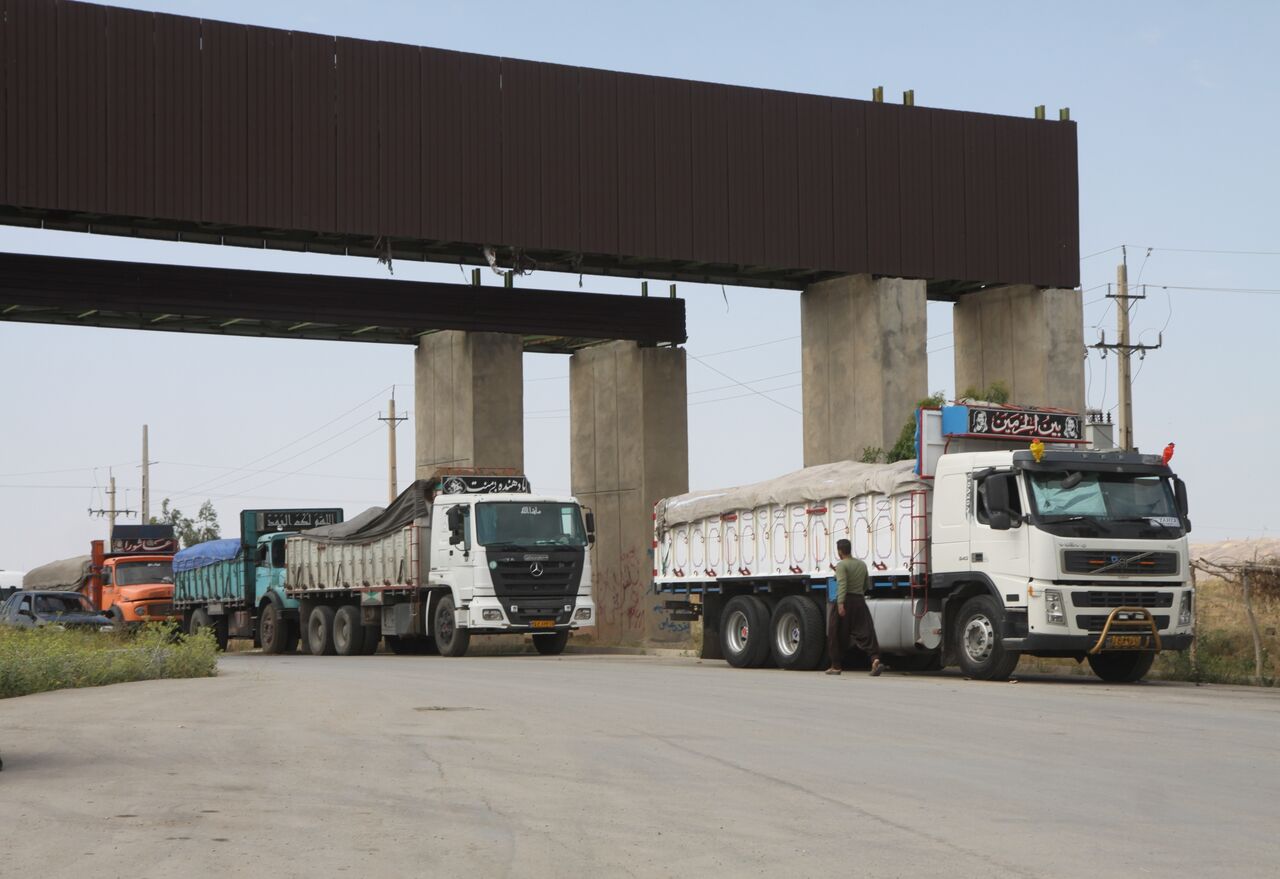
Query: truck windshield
{"x":529,"y":524}
{"x":140,"y":573}
{"x":1111,"y":504}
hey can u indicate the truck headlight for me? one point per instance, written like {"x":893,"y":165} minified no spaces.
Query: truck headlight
{"x":1053,"y":607}
{"x":1184,"y":609}
{"x":584,"y":613}
{"x":492,"y":614}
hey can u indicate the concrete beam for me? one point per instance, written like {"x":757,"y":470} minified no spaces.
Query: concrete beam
{"x":629,"y":448}
{"x":468,"y":401}
{"x":863,"y":361}
{"x":1030,"y":339}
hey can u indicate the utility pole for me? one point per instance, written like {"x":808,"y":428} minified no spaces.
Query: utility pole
{"x":111,"y":512}
{"x":391,"y":420}
{"x":146,"y":479}
{"x":1124,"y":352}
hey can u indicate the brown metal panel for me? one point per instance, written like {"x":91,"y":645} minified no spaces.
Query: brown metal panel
{"x":521,"y":153}
{"x":442,"y":120}
{"x":313,"y":137}
{"x":224,"y":88}
{"x":82,"y":108}
{"x":399,"y":140}
{"x":1011,"y":198}
{"x":179,"y":146}
{"x":915,"y":187}
{"x":673,"y":173}
{"x":982,"y":248}
{"x":745,"y":166}
{"x":849,"y":186}
{"x":781,"y":175}
{"x":884,"y":192}
{"x":948,"y":203}
{"x":815,"y":244}
{"x":6,"y":145}
{"x":131,"y":112}
{"x":1068,"y":206}
{"x":269,"y":128}
{"x":710,"y":190}
{"x":561,"y":177}
{"x":637,"y":204}
{"x":481,"y":92}
{"x":357,"y":121}
{"x":598,"y":161}
{"x":1042,"y":257}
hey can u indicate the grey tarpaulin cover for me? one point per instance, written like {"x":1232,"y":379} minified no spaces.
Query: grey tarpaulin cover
{"x":841,"y":479}
{"x":70,"y":573}
{"x":413,"y":503}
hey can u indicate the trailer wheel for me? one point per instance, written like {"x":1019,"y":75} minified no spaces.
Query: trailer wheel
{"x":1121,"y":668}
{"x":320,"y":630}
{"x":449,"y":637}
{"x":552,"y":644}
{"x":200,"y":619}
{"x":798,"y":634}
{"x":979,"y":648}
{"x":744,"y":632}
{"x":348,"y":631}
{"x":273,"y":628}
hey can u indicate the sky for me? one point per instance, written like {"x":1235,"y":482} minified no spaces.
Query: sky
{"x":1177,"y":163}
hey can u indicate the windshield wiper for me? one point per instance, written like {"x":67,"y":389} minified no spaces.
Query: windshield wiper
{"x":1059,"y":519}
{"x":1146,"y":520}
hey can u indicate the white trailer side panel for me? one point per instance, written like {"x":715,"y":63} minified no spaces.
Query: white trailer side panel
{"x":391,"y":560}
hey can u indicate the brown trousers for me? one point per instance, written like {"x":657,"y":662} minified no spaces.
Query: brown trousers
{"x":856,"y":621}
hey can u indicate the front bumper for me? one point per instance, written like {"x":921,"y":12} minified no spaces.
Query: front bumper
{"x":1073,"y":645}
{"x":581,"y":613}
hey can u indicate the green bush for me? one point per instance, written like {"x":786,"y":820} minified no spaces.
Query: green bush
{"x":49,"y":658}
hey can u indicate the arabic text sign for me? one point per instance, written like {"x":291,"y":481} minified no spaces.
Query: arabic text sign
{"x":1024,"y":423}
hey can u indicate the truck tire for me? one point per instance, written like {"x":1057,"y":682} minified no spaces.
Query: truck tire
{"x":199,"y":620}
{"x":744,"y":632}
{"x":348,"y":631}
{"x":1121,"y":668}
{"x":979,"y":648}
{"x":273,"y":628}
{"x":797,"y":634}
{"x":552,"y":644}
{"x":320,"y":630}
{"x":452,"y":640}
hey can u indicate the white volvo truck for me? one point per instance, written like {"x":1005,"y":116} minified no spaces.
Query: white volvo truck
{"x":463,"y":553}
{"x":1005,"y":537}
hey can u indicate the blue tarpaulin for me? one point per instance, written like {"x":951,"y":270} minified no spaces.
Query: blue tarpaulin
{"x":204,"y":554}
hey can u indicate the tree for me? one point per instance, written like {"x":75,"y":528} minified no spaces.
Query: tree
{"x":190,"y":531}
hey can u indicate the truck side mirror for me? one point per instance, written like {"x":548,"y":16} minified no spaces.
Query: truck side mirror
{"x":997,"y":491}
{"x":455,"y":526}
{"x":591,"y":526}
{"x":1180,"y":497}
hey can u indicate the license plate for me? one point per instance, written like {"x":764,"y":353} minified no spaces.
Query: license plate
{"x":1127,"y":642}
{"x":543,"y":624}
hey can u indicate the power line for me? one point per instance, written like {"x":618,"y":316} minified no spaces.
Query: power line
{"x":747,"y":387}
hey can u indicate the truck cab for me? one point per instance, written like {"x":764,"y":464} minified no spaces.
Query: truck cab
{"x":269,"y":570}
{"x":1064,"y":553}
{"x":137,"y":588}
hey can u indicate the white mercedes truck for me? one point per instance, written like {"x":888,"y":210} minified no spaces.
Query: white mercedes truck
{"x":464,"y":553}
{"x":1005,"y":537}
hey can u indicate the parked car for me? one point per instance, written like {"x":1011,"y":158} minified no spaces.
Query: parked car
{"x":30,"y":609}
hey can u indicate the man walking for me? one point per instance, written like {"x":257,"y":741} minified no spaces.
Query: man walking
{"x":849,"y":614}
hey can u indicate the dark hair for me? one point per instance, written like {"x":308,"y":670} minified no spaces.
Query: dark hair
{"x":844,"y":546}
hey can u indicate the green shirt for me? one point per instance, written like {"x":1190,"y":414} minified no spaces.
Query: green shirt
{"x":851,"y":577}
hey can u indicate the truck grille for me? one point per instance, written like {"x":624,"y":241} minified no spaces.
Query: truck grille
{"x":1095,"y":622}
{"x":159,"y":609}
{"x":537,"y":585}
{"x":1119,"y":561}
{"x":1122,"y":599}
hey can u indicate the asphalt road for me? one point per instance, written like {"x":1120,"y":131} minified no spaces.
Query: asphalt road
{"x":633,"y":766}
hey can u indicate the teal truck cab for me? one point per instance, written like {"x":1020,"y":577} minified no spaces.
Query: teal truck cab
{"x":236,"y":587}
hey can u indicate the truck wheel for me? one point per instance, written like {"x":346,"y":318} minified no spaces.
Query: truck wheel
{"x":798,"y":634}
{"x":744,"y":632}
{"x":348,"y":631}
{"x":978,"y":644}
{"x":320,"y":630}
{"x":552,"y":644}
{"x":273,"y":628}
{"x":1121,"y":668}
{"x":452,"y":640}
{"x":199,"y":620}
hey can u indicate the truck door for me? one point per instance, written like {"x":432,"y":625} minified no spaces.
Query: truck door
{"x":451,"y":561}
{"x":1001,"y":554}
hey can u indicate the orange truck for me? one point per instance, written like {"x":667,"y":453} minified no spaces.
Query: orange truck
{"x":130,"y":580}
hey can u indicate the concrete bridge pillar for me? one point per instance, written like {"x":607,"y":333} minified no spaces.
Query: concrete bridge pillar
{"x":629,"y":448}
{"x":468,"y":400}
{"x":863,"y":362}
{"x":1030,"y":339}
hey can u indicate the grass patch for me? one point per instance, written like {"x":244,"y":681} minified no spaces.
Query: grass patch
{"x":47,"y":658}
